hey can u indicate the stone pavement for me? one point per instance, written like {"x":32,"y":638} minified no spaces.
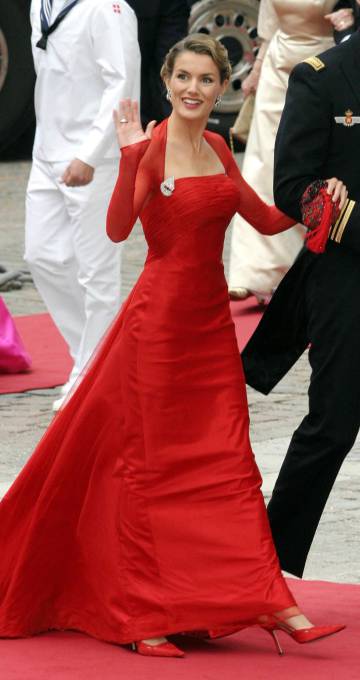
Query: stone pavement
{"x":23,"y":417}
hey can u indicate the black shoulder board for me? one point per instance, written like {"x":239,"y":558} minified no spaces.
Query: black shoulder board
{"x":315,"y":63}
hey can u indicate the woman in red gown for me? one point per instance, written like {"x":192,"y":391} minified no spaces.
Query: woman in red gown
{"x":140,"y":512}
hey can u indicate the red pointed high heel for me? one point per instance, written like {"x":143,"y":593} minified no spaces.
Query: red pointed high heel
{"x":163,"y":649}
{"x":300,"y":635}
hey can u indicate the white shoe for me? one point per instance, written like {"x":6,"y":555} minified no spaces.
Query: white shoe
{"x":65,"y":389}
{"x":263,"y":299}
{"x":57,"y":404}
{"x":239,"y":293}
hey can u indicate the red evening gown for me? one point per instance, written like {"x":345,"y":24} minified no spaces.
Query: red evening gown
{"x":140,"y":512}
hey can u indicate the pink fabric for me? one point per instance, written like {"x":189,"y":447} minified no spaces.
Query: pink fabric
{"x":13,"y":355}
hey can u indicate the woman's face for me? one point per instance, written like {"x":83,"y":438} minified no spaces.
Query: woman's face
{"x":194,"y":85}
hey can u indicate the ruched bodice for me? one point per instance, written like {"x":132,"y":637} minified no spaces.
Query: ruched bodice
{"x":191,"y":223}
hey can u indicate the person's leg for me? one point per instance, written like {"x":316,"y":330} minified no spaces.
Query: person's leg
{"x":320,"y":444}
{"x":98,"y":259}
{"x":49,"y":252}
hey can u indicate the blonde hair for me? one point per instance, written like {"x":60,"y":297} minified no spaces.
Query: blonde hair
{"x":199,"y":43}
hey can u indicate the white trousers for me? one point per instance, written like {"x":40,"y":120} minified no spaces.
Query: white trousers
{"x":75,"y":266}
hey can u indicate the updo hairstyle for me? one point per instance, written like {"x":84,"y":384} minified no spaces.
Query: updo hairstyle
{"x":199,"y":43}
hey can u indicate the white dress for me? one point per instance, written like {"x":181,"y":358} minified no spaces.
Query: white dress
{"x":295,"y":29}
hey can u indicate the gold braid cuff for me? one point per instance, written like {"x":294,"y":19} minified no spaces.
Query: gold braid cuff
{"x":337,"y":231}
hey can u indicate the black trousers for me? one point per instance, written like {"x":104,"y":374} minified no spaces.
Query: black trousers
{"x":323,"y":293}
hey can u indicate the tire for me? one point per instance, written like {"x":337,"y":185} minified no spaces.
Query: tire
{"x":17,"y":75}
{"x":234,"y":23}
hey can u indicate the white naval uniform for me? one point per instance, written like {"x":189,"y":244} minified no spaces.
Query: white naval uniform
{"x":92,"y":61}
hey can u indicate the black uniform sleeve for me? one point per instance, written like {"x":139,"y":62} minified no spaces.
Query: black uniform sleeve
{"x":301,"y":147}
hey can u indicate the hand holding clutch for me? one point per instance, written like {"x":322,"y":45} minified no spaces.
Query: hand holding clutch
{"x":320,"y":206}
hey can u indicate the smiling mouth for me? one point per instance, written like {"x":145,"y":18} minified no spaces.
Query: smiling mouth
{"x":193,"y":103}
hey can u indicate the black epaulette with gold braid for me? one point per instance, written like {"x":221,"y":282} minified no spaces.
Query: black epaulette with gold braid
{"x":315,"y":63}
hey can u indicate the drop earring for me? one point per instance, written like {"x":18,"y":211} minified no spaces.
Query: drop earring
{"x":217,"y":101}
{"x":168,"y":95}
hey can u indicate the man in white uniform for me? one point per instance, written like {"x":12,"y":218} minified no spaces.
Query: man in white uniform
{"x":84,"y":67}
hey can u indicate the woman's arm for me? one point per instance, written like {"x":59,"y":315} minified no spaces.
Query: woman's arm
{"x":250,"y":84}
{"x":322,"y":210}
{"x":268,"y":24}
{"x":132,"y":187}
{"x":134,"y":184}
{"x":267,"y":219}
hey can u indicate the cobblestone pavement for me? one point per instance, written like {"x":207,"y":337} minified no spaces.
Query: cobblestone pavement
{"x":23,"y":417}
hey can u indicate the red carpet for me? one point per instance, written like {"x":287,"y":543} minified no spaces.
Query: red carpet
{"x":51,"y":361}
{"x":249,"y":655}
{"x":246,"y":315}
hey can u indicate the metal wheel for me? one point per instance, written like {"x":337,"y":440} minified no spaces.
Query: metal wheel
{"x":16,"y":76}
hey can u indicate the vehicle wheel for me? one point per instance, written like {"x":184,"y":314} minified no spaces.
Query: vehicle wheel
{"x":234,"y":23}
{"x":16,"y":72}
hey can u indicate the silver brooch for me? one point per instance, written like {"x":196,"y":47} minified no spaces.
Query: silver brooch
{"x":167,"y":186}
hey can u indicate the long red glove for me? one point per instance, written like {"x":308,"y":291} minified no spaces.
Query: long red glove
{"x":133,"y":188}
{"x":267,"y":219}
